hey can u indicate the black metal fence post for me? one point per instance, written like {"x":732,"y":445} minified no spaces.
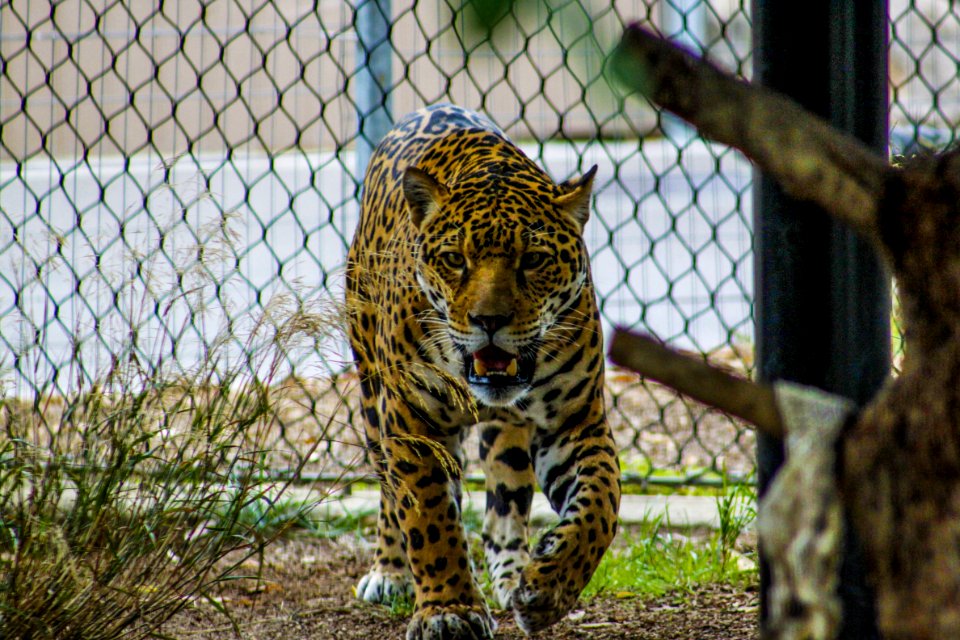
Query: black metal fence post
{"x":374,"y":77}
{"x":822,"y":305}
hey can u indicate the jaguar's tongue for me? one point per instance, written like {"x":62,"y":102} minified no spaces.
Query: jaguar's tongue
{"x":494,"y":360}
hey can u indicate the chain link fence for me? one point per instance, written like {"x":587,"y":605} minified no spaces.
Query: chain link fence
{"x":176,"y":176}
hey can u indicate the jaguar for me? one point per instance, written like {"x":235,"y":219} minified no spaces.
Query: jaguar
{"x":471,"y":305}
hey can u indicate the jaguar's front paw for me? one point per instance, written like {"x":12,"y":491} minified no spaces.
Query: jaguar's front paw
{"x":458,"y":622}
{"x":380,"y":587}
{"x":537,"y":604}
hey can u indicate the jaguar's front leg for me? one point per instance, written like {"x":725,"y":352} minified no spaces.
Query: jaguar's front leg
{"x":425,"y":481}
{"x":505,"y":458}
{"x":389,"y":578}
{"x":579,"y":472}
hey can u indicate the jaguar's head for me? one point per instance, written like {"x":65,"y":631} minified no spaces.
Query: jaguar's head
{"x":500,"y":256}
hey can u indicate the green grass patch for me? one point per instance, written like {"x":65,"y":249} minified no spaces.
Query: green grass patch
{"x":654,"y":558}
{"x":274,"y":517}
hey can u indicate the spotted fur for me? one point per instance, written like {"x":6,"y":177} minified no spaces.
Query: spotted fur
{"x":471,"y":304}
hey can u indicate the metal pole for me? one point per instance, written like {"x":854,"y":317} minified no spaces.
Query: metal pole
{"x":822,"y":305}
{"x":374,"y":77}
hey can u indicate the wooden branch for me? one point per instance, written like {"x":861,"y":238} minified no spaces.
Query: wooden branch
{"x":742,"y":398}
{"x":810,"y":159}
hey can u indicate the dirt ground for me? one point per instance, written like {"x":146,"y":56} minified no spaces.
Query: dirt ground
{"x":304,"y":590}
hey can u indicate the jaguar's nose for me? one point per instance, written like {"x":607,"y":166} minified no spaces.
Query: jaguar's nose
{"x":490,"y":324}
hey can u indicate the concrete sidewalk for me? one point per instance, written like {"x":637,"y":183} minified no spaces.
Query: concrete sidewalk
{"x":679,"y":511}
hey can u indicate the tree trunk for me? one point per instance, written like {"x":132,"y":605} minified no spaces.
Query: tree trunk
{"x":899,"y":465}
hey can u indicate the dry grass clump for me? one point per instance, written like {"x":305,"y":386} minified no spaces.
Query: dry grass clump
{"x":120,"y":500}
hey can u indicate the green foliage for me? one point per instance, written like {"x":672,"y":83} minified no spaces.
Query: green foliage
{"x":653,"y":559}
{"x":485,"y":15}
{"x":577,"y":28}
{"x":273,"y":517}
{"x":346,"y":524}
{"x":267,"y":516}
{"x":472,"y":519}
{"x":402,"y":606}
{"x":737,"y":511}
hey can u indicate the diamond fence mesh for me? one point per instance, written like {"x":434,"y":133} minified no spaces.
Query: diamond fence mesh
{"x":179,"y":180}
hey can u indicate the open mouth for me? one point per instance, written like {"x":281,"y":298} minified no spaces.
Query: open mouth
{"x":492,"y":366}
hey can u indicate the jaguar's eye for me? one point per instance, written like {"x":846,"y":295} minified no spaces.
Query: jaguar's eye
{"x":533,"y":260}
{"x":453,"y":259}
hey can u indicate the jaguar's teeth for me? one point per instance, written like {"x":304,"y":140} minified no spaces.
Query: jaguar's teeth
{"x":512,"y":368}
{"x":479,"y":367}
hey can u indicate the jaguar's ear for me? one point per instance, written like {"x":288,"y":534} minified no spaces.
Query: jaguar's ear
{"x":423,"y":194}
{"x":575,"y":196}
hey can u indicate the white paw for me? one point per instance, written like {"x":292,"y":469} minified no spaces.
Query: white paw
{"x":383,"y":588}
{"x":503,"y":592}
